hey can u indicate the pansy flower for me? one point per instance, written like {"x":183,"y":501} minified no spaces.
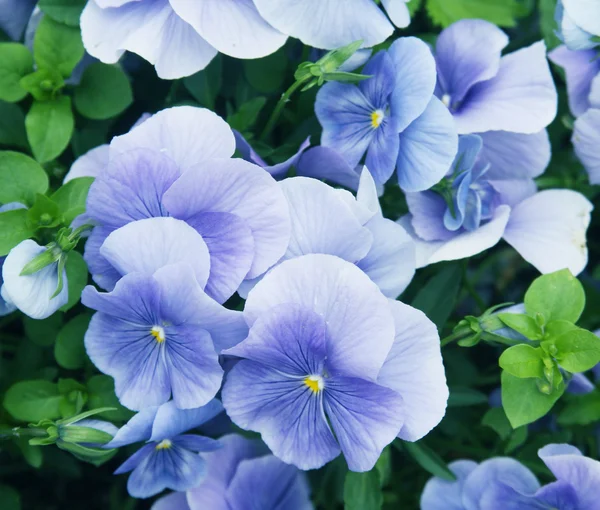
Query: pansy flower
{"x":178,"y":37}
{"x":243,"y":474}
{"x":391,"y":119}
{"x":171,"y":458}
{"x":331,"y":365}
{"x":578,"y":23}
{"x":477,"y":204}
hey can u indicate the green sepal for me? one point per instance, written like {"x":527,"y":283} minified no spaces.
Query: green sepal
{"x":83,"y":416}
{"x":44,"y":259}
{"x":78,"y":434}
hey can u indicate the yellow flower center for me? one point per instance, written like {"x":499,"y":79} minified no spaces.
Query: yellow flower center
{"x":165,"y":444}
{"x":447,"y":100}
{"x":158,"y":332}
{"x":377,"y":118}
{"x":315,"y":382}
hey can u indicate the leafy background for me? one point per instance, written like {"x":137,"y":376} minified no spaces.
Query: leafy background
{"x":56,"y":114}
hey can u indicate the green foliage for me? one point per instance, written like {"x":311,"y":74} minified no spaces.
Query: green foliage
{"x":77,"y":277}
{"x":523,"y":324}
{"x":69,"y":350}
{"x":577,"y":350}
{"x":204,"y":86}
{"x":32,"y":401}
{"x":14,"y":228}
{"x":21,"y":178}
{"x":43,"y":84}
{"x":49,"y":126}
{"x":71,"y":197}
{"x":12,"y":126}
{"x":500,"y":12}
{"x":63,"y":11}
{"x":104,"y":92}
{"x":437,"y":298}
{"x":523,"y":361}
{"x":429,"y":460}
{"x":57,"y":46}
{"x":581,"y":410}
{"x":15,"y":62}
{"x":362,"y":491}
{"x":10,"y":498}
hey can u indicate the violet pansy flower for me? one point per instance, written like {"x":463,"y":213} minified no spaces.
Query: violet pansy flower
{"x":178,"y":37}
{"x":171,"y":457}
{"x":330,"y":365}
{"x":505,"y":483}
{"x":391,"y":119}
{"x":330,"y":24}
{"x":240,"y":470}
{"x":478,"y":204}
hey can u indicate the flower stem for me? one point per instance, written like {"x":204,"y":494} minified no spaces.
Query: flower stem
{"x":279,"y":108}
{"x":22,"y":432}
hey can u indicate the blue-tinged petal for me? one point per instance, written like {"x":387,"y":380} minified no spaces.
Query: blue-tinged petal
{"x":574,"y":37}
{"x":365,"y":417}
{"x":427,"y":210}
{"x":169,"y":421}
{"x":145,"y":246}
{"x":231,"y":248}
{"x":321,"y":222}
{"x":327,"y":25}
{"x":513,"y":192}
{"x":521,"y":98}
{"x":595,"y":92}
{"x":549,"y":230}
{"x":102,"y":271}
{"x":195,"y":443}
{"x":32,"y":294}
{"x":473,"y":211}
{"x":415,"y":79}
{"x":367,"y":194}
{"x":440,"y":494}
{"x":135,"y":460}
{"x":113,"y":3}
{"x":467,"y":52}
{"x":221,"y":467}
{"x":131,"y":188}
{"x":14,"y":16}
{"x":287,"y":338}
{"x":515,"y":155}
{"x":240,"y":188}
{"x":414,"y":369}
{"x":390,"y":262}
{"x":580,"y":69}
{"x":378,"y":88}
{"x":580,"y":385}
{"x":90,"y":164}
{"x":272,"y":484}
{"x":398,"y":12}
{"x":184,"y":303}
{"x":233,"y":27}
{"x":586,"y":136}
{"x":454,"y":218}
{"x":427,"y":148}
{"x":514,"y":479}
{"x":171,"y":467}
{"x":326,"y":163}
{"x":173,"y":501}
{"x":569,"y":465}
{"x":469,"y":148}
{"x":352,"y":305}
{"x":186,"y":134}
{"x":586,"y":13}
{"x":137,"y":429}
{"x":383,"y":151}
{"x":287,"y":413}
{"x":559,"y":495}
{"x":346,"y":116}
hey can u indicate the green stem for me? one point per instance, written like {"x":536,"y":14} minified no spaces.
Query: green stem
{"x":471,"y":289}
{"x":22,"y":432}
{"x":279,"y":108}
{"x":457,"y":335}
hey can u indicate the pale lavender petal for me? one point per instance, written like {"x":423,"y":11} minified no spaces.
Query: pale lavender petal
{"x":440,"y":494}
{"x":586,"y":137}
{"x":325,"y":163}
{"x":173,"y":501}
{"x":169,"y":421}
{"x":513,"y":192}
{"x":91,"y":164}
{"x":559,"y":495}
{"x":398,"y":12}
{"x":586,"y":13}
{"x":136,"y":430}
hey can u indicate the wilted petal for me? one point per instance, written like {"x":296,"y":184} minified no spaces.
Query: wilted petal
{"x":549,"y":230}
{"x":586,"y":138}
{"x":521,"y":98}
{"x":233,"y":27}
{"x":414,"y":369}
{"x":327,"y":25}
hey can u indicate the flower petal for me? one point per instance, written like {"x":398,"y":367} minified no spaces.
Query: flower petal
{"x":549,"y":230}
{"x":91,"y":164}
{"x":365,"y":417}
{"x":169,"y":421}
{"x":586,"y":136}
{"x":521,"y":98}
{"x":414,"y":369}
{"x":137,"y":429}
{"x":586,"y":13}
{"x":398,"y":12}
{"x":360,"y":325}
{"x":286,"y":412}
{"x":440,"y":494}
{"x":173,"y":501}
{"x":325,"y":163}
{"x":102,"y":271}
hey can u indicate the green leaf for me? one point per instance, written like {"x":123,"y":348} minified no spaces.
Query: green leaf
{"x":428,"y":459}
{"x":556,"y":296}
{"x":44,"y":213}
{"x":71,"y":197}
{"x":205,"y":84}
{"x":413,"y":6}
{"x":517,"y":438}
{"x":104,"y":92}
{"x":523,"y":361}
{"x":43,"y":332}
{"x":546,"y":9}
{"x":464,"y":397}
{"x":21,"y":178}
{"x":554,"y":329}
{"x":523,"y":401}
{"x":581,"y":410}
{"x":49,"y":126}
{"x":14,"y":228}
{"x":57,"y":46}
{"x":74,"y":397}
{"x":77,"y":278}
{"x":69,"y":349}
{"x":15,"y":62}
{"x":523,"y":324}
{"x":63,"y":11}
{"x":578,"y":350}
{"x":43,"y":84}
{"x":10,"y":498}
{"x":101,"y":393}
{"x":266,"y":75}
{"x":32,"y":401}
{"x":436,"y":299}
{"x":362,"y":491}
{"x":495,"y":418}
{"x":32,"y":454}
{"x":12,"y":126}
{"x":446,"y":12}
{"x":247,"y":115}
